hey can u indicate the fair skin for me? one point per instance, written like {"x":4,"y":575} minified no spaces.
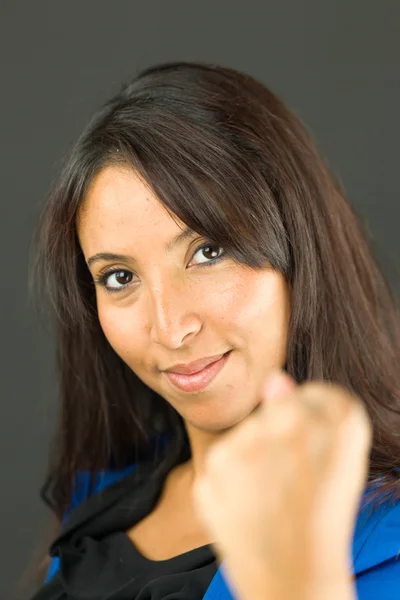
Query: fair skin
{"x":173,"y":310}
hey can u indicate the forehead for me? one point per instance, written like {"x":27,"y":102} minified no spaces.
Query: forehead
{"x":119,"y":204}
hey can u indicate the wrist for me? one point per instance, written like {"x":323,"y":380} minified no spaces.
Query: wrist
{"x":250,"y":580}
{"x":341,"y":587}
{"x":262,"y":589}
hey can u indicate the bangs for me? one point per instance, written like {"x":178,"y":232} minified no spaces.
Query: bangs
{"x":208,"y":176}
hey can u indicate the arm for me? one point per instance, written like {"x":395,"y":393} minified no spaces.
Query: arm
{"x":252,"y":583}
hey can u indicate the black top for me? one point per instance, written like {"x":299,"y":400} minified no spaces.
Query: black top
{"x":99,"y":561}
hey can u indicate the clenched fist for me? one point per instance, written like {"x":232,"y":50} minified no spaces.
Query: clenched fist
{"x":280,"y":492}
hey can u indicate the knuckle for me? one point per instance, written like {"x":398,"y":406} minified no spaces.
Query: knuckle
{"x":287,"y":420}
{"x":328,"y":400}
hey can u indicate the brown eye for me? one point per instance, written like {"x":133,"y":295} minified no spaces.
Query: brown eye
{"x":123,"y":277}
{"x":116,"y":280}
{"x":210,"y":253}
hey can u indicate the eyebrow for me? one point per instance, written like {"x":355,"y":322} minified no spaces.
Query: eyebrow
{"x":178,"y":239}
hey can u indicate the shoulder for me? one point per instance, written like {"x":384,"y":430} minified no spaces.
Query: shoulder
{"x":376,"y":551}
{"x":87,"y":484}
{"x":86,"y":499}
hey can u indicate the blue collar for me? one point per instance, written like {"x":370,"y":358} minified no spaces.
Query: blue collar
{"x":376,"y":539}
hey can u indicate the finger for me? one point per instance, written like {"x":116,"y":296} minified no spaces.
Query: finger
{"x":327,"y":401}
{"x":315,"y":407}
{"x":278,"y":384}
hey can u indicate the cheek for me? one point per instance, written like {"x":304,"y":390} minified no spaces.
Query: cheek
{"x":262,"y":317}
{"x":259,"y":298}
{"x":226,"y":303}
{"x":121,"y":331}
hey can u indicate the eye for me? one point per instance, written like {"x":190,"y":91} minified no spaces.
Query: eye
{"x":115,"y":280}
{"x":210,"y":253}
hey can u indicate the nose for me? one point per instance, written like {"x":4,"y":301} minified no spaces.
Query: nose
{"x":174,"y":318}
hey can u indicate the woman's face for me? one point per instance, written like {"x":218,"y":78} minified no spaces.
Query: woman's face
{"x":162,"y":303}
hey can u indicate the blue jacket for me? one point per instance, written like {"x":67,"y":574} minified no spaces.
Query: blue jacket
{"x":375,"y":549}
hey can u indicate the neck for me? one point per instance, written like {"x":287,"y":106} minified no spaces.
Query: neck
{"x":200,"y":443}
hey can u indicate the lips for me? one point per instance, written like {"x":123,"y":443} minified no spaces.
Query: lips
{"x":197,"y":382}
{"x":195,"y":366}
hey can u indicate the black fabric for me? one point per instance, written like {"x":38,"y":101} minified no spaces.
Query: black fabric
{"x":99,"y":561}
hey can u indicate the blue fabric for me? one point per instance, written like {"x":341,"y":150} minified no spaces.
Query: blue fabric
{"x":375,"y":550}
{"x":103,"y":480}
{"x":381,"y":582}
{"x":80,"y":492}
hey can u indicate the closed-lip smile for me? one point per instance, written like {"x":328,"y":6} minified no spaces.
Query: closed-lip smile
{"x":194,"y":366}
{"x":196,"y":376}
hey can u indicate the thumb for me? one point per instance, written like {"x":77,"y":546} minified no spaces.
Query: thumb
{"x":277,"y":385}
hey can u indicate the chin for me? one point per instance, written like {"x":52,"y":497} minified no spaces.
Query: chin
{"x":215,"y":422}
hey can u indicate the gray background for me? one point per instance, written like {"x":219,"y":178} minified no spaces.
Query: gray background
{"x":336,"y":65}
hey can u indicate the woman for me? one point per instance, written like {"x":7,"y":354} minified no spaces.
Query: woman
{"x":194,"y":244}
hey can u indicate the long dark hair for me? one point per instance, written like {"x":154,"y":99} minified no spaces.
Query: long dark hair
{"x":226,"y":156}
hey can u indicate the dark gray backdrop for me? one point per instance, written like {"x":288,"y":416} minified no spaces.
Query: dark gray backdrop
{"x":335,"y":63}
